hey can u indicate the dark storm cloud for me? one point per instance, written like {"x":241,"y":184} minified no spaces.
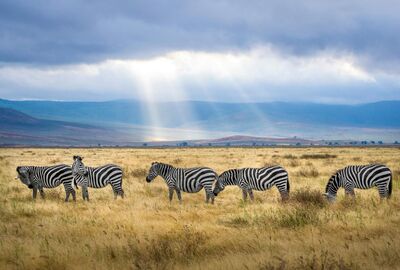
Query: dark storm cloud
{"x":58,"y":32}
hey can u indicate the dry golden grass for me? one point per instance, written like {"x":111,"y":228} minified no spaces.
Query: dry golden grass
{"x":145,"y":231}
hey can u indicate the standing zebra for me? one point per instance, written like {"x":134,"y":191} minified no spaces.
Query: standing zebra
{"x":363,"y":177}
{"x":189,"y":180}
{"x":37,"y":178}
{"x":97,"y":177}
{"x":255,"y":178}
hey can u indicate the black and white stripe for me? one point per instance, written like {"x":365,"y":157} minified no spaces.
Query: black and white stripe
{"x":249,"y":179}
{"x":362,"y":177}
{"x":97,"y":177}
{"x":189,"y":180}
{"x":37,"y":178}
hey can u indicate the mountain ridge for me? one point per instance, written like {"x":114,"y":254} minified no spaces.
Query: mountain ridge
{"x":132,"y":120}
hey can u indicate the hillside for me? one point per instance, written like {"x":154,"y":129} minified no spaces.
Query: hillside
{"x":128,"y":121}
{"x":384,"y":114}
{"x":18,"y":128}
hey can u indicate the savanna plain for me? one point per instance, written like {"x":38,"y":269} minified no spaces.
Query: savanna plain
{"x":146,"y":231}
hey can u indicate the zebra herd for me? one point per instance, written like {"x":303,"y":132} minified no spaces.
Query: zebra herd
{"x":193,"y":180}
{"x":37,"y":178}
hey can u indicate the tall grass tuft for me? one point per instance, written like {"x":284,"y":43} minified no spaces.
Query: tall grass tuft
{"x":176,"y":246}
{"x":317,"y":156}
{"x":296,"y":217}
{"x":308,"y":172}
{"x":307,"y":196}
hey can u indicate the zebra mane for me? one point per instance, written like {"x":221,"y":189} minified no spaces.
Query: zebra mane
{"x":160,"y":165}
{"x":229,"y":174}
{"x":164,"y":165}
{"x":231,"y":171}
{"x":26,"y":167}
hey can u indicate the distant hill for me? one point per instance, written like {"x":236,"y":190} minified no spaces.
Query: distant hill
{"x":18,"y":128}
{"x":249,"y":140}
{"x":384,"y":114}
{"x":132,"y":120}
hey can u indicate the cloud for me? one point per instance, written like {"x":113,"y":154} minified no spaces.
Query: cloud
{"x":71,"y":31}
{"x":313,"y":50}
{"x":259,"y":74}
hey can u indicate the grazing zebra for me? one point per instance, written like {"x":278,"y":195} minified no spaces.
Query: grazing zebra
{"x":255,"y":178}
{"x":37,"y":178}
{"x":363,"y":177}
{"x":189,"y":180}
{"x":97,"y":177}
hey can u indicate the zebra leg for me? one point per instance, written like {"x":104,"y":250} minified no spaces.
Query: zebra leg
{"x":209,"y":194}
{"x":73,"y":195}
{"x":349,"y":192}
{"x":41,"y":193}
{"x":244,"y":192}
{"x":250,"y":191}
{"x":383,"y":190}
{"x":69,"y":190}
{"x":283,"y":191}
{"x":34,"y":192}
{"x":85,"y":193}
{"x":171,"y":194}
{"x":117,"y":188}
{"x":178,"y":194}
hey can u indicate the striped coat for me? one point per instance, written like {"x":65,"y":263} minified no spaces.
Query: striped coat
{"x":189,"y":180}
{"x":249,"y":179}
{"x":40,"y":177}
{"x":97,"y":177}
{"x":360,"y":177}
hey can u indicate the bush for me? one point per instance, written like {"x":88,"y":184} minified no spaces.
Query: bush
{"x":289,"y":156}
{"x":309,"y":197}
{"x":138,"y":173}
{"x":312,"y":172}
{"x":180,"y":245}
{"x":318,"y":156}
{"x":297,"y":217}
{"x":294,"y":163}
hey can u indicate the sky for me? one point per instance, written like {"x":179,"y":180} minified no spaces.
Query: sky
{"x":308,"y":50}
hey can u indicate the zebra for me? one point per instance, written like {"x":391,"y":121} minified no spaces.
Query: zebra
{"x":97,"y":177}
{"x":37,"y":178}
{"x":361,"y":176}
{"x":255,"y":178}
{"x":189,"y":180}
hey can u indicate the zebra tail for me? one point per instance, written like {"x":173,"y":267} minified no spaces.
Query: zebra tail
{"x":76,"y":185}
{"x":288,"y":185}
{"x":390,"y":186}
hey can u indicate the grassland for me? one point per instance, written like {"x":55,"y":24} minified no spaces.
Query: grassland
{"x":145,"y":231}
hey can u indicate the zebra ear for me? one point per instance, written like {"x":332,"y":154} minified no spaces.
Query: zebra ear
{"x":19,"y":167}
{"x":75,"y":157}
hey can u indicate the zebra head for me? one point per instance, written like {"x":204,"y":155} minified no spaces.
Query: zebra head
{"x":24,"y":175}
{"x":78,"y":168}
{"x":219,"y":186}
{"x":153,"y":172}
{"x":331,"y":188}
